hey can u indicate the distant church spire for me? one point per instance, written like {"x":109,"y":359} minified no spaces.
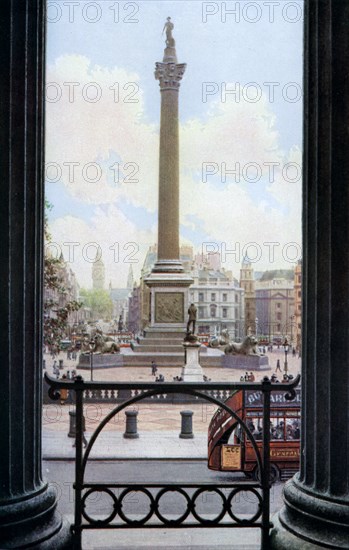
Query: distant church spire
{"x":130,"y":278}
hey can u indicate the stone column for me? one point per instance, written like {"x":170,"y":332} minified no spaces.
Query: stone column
{"x":316,"y":510}
{"x":28,"y":516}
{"x":168,"y":281}
{"x":169,"y":73}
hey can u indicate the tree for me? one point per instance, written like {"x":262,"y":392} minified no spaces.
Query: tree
{"x":56,"y":305}
{"x":99,"y":301}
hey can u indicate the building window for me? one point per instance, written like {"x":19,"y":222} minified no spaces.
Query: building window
{"x":278,"y":328}
{"x":201,"y":312}
{"x":299,"y":293}
{"x":236,"y":298}
{"x":225,"y":297}
{"x":278,"y":316}
{"x":201,"y":296}
{"x":213,"y":297}
{"x":213,"y":310}
{"x":225,"y":313}
{"x":278,"y":305}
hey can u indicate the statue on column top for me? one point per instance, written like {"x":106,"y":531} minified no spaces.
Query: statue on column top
{"x":170,"y":42}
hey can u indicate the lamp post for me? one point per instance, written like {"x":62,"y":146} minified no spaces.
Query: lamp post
{"x":92,"y":347}
{"x":285,"y":344}
{"x":256,"y":320}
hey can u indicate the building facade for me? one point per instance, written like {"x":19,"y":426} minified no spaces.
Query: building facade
{"x":298,"y":306}
{"x":275,"y":307}
{"x":219,"y":301}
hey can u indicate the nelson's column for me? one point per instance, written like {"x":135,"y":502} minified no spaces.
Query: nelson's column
{"x":167,"y":281}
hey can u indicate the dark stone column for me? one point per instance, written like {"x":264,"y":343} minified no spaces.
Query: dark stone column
{"x":316,"y":511}
{"x":27,"y":504}
{"x":131,"y":425}
{"x":187,"y":425}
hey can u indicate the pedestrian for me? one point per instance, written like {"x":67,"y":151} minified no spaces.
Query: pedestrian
{"x":153,"y":368}
{"x":278,"y":366}
{"x":251,"y":377}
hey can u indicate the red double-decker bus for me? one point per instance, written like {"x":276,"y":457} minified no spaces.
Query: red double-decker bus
{"x":229,"y":449}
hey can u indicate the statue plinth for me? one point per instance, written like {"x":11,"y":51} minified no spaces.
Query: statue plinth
{"x":170,"y":55}
{"x":192,"y":370}
{"x":100,"y":361}
{"x":246,"y":362}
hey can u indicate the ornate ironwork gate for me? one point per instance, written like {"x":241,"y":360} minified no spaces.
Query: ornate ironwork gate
{"x":118,"y":519}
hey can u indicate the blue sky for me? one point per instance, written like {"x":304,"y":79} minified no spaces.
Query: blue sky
{"x":256,"y":51}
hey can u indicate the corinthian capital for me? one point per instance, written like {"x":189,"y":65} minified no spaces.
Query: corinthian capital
{"x":169,"y":75}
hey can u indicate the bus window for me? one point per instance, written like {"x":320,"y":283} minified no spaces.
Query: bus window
{"x":292,"y":429}
{"x":255,"y":424}
{"x":277,"y":428}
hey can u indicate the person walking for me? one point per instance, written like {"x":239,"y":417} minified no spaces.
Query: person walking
{"x":278,"y":366}
{"x":153,"y":368}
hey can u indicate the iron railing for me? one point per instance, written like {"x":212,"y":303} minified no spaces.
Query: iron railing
{"x":118,"y":519}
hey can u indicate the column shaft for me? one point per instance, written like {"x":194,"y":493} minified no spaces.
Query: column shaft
{"x":316,"y":512}
{"x":168,"y":230}
{"x":27,"y":504}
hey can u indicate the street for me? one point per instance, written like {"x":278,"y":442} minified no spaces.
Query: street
{"x":60,"y":474}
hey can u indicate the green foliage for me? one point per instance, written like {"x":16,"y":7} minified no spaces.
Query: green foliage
{"x":99,"y":301}
{"x":56,"y":307}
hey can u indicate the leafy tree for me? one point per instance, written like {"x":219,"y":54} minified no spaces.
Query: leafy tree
{"x":99,"y":301}
{"x":56,"y":307}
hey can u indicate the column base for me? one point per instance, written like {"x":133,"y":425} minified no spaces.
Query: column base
{"x":310,"y":520}
{"x":34,"y":522}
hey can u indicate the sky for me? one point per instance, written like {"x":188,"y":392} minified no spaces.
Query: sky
{"x":240,"y":120}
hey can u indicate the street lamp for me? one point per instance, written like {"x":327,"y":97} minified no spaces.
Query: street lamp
{"x":92,"y":346}
{"x":286,"y":347}
{"x":256,"y":327}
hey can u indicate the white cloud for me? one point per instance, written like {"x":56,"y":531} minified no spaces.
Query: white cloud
{"x":232,"y":136}
{"x":111,"y":236}
{"x":83,"y":132}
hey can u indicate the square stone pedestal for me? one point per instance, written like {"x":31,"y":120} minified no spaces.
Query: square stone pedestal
{"x":192,"y":370}
{"x":169,"y":300}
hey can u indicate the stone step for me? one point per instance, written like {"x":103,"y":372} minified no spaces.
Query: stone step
{"x":160,"y":341}
{"x":158,"y":348}
{"x":167,"y":360}
{"x":161,"y":333}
